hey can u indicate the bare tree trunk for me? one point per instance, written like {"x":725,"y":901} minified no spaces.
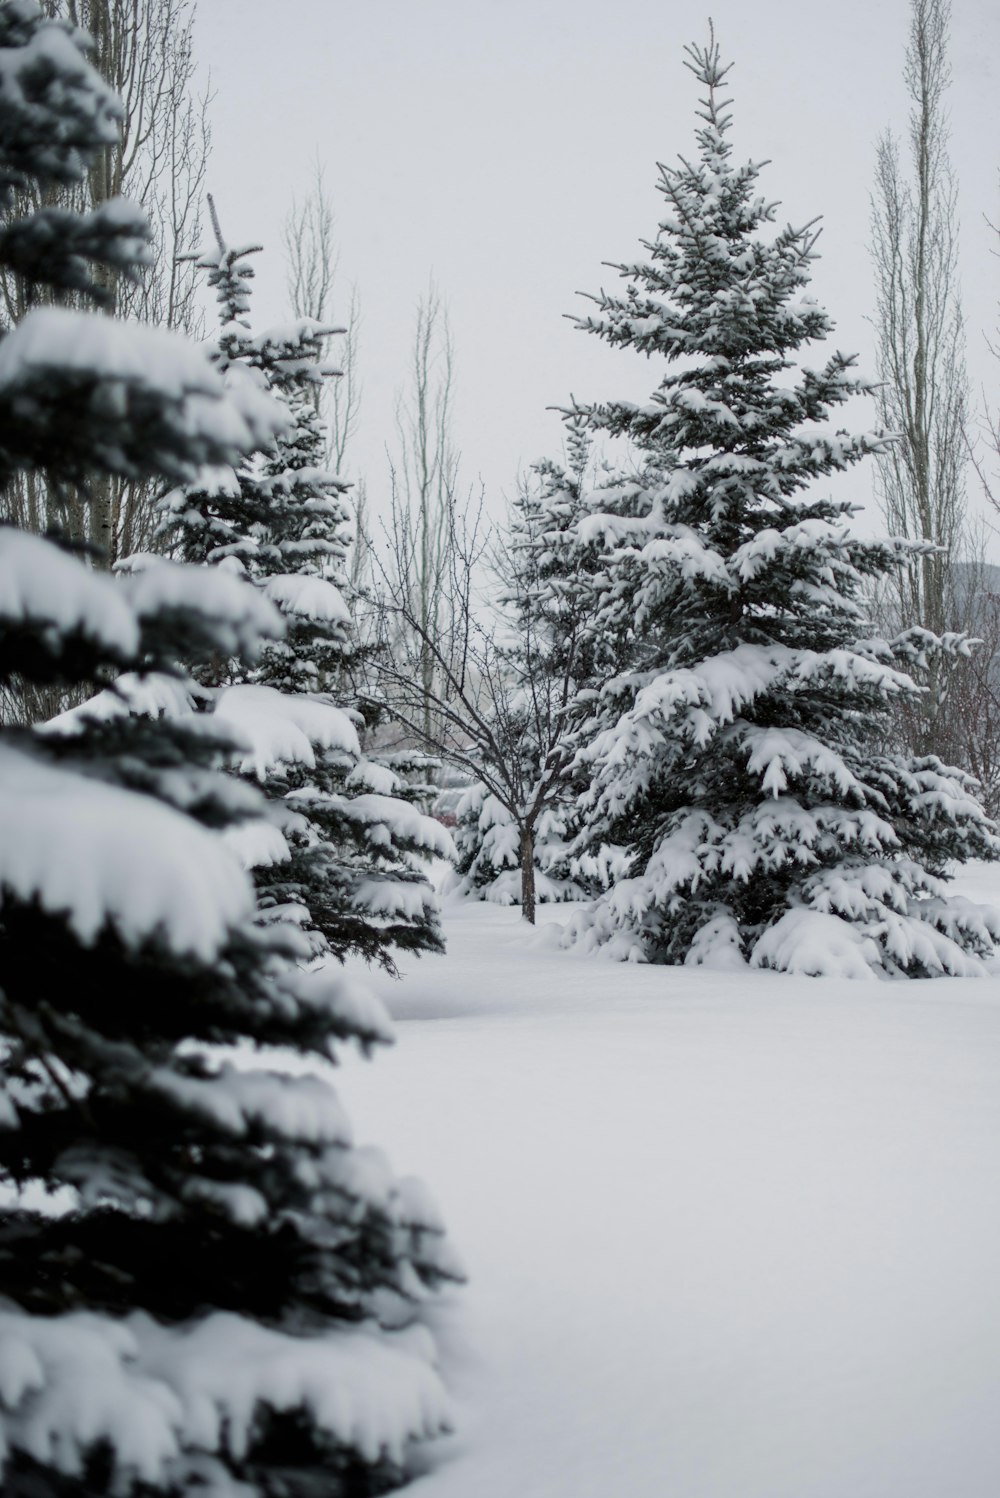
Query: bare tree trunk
{"x":528,"y":872}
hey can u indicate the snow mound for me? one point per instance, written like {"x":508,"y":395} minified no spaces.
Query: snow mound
{"x":817,"y":945}
{"x":717,"y":945}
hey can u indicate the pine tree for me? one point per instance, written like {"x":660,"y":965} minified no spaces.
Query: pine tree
{"x":739,"y":801}
{"x":348,"y":864}
{"x":195,"y":1263}
{"x":212,"y":520}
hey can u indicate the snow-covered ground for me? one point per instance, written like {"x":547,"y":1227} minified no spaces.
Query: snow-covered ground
{"x":728,"y":1236}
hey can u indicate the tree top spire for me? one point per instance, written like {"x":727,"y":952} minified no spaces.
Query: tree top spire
{"x":705,"y":62}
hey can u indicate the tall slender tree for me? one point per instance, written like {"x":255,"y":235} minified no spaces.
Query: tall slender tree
{"x":920,"y":360}
{"x":739,"y":800}
{"x":425,"y":508}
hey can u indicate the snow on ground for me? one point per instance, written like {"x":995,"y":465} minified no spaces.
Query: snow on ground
{"x":728,"y":1235}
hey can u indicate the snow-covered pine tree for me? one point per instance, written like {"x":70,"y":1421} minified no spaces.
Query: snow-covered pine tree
{"x":212,"y":519}
{"x":194,"y":1260}
{"x":351,"y":856}
{"x":739,"y":799}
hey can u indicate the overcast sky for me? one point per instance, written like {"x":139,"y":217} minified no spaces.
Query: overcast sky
{"x":509,"y":147}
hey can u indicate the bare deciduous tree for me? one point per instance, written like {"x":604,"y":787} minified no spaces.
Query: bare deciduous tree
{"x":989,"y":422}
{"x":507,"y":672}
{"x":920,"y":346}
{"x":426,"y":512}
{"x":972,"y":731}
{"x":312,"y":259}
{"x":469,"y":690}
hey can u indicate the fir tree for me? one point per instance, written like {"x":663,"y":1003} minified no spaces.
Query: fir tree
{"x":348,"y":861}
{"x":200,"y":1301}
{"x":739,"y":802}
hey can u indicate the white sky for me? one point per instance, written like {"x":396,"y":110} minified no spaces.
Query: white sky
{"x":509,"y":147}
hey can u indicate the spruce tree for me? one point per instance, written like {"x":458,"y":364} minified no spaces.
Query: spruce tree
{"x":195,"y":1263}
{"x":348,"y":862}
{"x":740,"y":803}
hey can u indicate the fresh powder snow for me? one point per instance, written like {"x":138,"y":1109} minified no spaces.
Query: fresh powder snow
{"x":729,"y":1235}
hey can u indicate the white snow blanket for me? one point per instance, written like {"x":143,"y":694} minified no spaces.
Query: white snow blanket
{"x":729,"y":1234}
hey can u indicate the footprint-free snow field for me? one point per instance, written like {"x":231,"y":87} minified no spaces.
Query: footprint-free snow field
{"x":728,"y":1236}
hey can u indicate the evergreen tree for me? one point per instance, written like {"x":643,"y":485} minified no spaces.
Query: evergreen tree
{"x":195,"y":1263}
{"x":212,"y":519}
{"x":348,"y":860}
{"x":739,"y":801}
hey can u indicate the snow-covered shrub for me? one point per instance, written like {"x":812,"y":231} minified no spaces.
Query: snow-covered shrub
{"x":739,"y":805}
{"x":202,"y":1303}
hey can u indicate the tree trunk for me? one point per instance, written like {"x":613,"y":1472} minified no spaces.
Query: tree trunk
{"x":528,"y":874}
